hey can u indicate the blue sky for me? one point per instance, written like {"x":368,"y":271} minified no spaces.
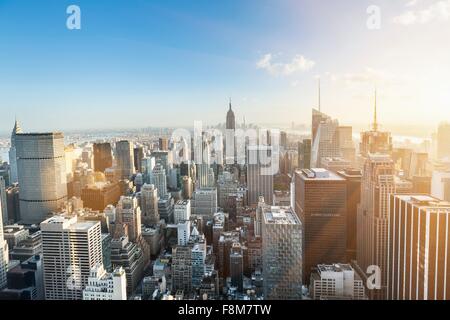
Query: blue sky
{"x":142,"y":63}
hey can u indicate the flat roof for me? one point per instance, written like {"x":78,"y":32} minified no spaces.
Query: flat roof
{"x":319,"y":174}
{"x":424,"y":201}
{"x":280,"y":215}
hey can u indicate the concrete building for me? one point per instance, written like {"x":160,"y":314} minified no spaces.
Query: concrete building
{"x":129,"y":256}
{"x":99,"y":195}
{"x":149,"y":205}
{"x":335,"y":164}
{"x":182,"y":268}
{"x":165,"y":208}
{"x":237,"y":267}
{"x":14,"y":178}
{"x":159,"y":180}
{"x":41,"y":173}
{"x":125,"y":159}
{"x":129,"y":213}
{"x":3,"y":254}
{"x":325,"y":138}
{"x":103,"y":285}
{"x":353,"y":182}
{"x":304,"y":154}
{"x":259,"y":177}
{"x":27,"y":248}
{"x":282,"y":254}
{"x":440,"y":185}
{"x":204,"y":202}
{"x":377,"y":183}
{"x":321,"y":205}
{"x":336,"y":282}
{"x":25,"y":281}
{"x":70,"y":250}
{"x":102,"y":156}
{"x":182,"y":211}
{"x":183,"y":232}
{"x":418,"y":248}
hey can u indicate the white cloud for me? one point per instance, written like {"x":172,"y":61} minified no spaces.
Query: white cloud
{"x":438,"y":11}
{"x":298,"y":64}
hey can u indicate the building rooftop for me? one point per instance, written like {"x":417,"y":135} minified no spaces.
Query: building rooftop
{"x":319,"y":174}
{"x":280,"y":215}
{"x":424,"y":201}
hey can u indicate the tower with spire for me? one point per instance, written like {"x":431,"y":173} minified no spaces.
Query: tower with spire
{"x":231,"y":121}
{"x":12,"y":153}
{"x":375,"y":122}
{"x":374,"y":140}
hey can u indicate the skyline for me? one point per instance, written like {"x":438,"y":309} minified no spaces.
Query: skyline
{"x":187,"y":59}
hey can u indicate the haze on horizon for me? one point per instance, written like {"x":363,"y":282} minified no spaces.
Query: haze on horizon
{"x":135,"y":64}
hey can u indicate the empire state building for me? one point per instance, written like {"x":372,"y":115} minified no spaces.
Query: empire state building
{"x":231,"y":122}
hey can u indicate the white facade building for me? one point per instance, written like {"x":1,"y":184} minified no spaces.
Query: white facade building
{"x":71,"y":248}
{"x":182,"y":211}
{"x":183,"y":232}
{"x":103,"y":285}
{"x":159,"y":179}
{"x":336,"y":282}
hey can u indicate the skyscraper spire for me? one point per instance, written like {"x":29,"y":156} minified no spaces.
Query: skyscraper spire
{"x":230,"y":103}
{"x":375,"y":122}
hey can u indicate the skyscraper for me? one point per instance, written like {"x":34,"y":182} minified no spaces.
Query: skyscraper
{"x":182,"y":268}
{"x":138,"y":155}
{"x":204,"y":202}
{"x":129,"y":213}
{"x":325,"y":138}
{"x":125,"y":159}
{"x":3,"y":252}
{"x":149,"y":204}
{"x":418,"y":257}
{"x":321,"y":204}
{"x":375,"y":141}
{"x":259,"y":182}
{"x":237,"y":266}
{"x":377,"y":182}
{"x":71,"y":248}
{"x":163,"y":144}
{"x":102,"y":156}
{"x":14,"y":178}
{"x":346,"y":146}
{"x":230,"y":121}
{"x":159,"y":180}
{"x":3,"y":199}
{"x":353,"y":181}
{"x":182,"y":211}
{"x":443,"y":138}
{"x":304,"y":154}
{"x":282,"y":254}
{"x":42,"y":174}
